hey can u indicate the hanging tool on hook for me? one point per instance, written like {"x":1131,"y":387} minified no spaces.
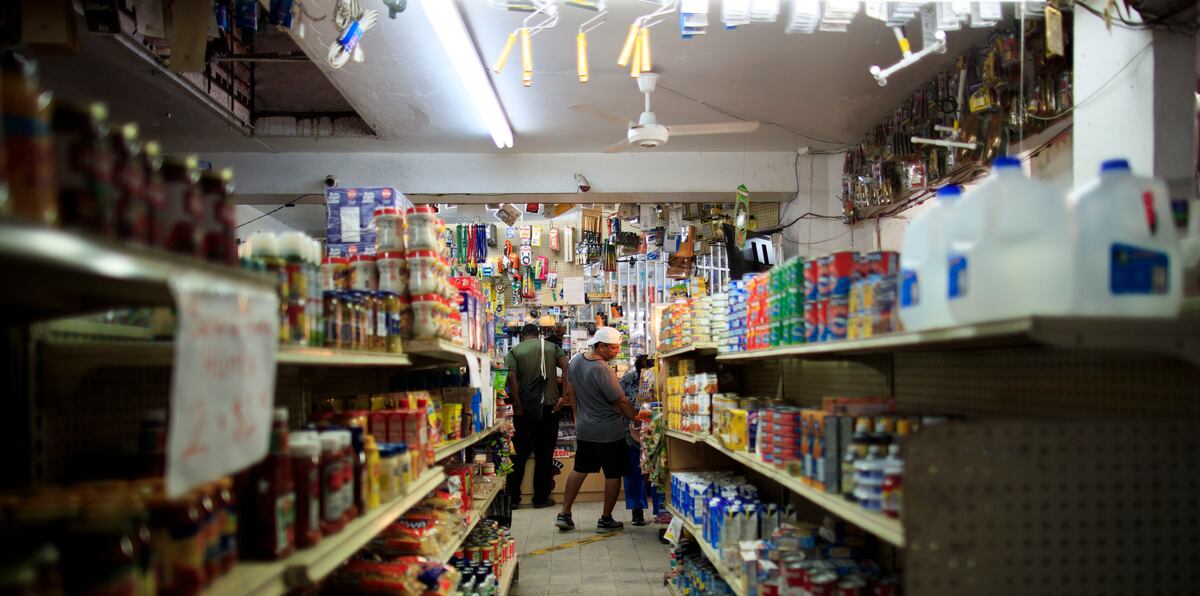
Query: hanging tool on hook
{"x":581,"y":59}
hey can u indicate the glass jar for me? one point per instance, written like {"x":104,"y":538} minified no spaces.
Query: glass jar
{"x":86,"y":200}
{"x":306,"y":478}
{"x":406,"y":318}
{"x":425,"y":316}
{"x":389,"y":229}
{"x":363,"y":275}
{"x":390,"y":316}
{"x":387,"y":474}
{"x":181,"y":205}
{"x":393,"y":272}
{"x":129,"y":184}
{"x":424,"y":272}
{"x":29,"y":141}
{"x":421,"y":229}
{"x":219,"y":241}
{"x":335,"y":273}
{"x":371,"y":486}
{"x":333,"y":319}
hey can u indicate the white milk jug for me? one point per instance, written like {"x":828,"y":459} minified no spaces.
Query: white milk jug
{"x":923,"y":265}
{"x":1009,"y":254}
{"x":1126,"y":248}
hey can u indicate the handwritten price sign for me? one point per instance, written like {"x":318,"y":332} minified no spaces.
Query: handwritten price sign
{"x":223,"y":382}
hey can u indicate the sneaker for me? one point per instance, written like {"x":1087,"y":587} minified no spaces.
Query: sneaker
{"x":563,"y":522}
{"x":604,"y":526}
{"x":639,"y":517}
{"x":544,"y":504}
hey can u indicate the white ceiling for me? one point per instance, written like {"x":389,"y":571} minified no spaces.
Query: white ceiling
{"x":816,"y":85}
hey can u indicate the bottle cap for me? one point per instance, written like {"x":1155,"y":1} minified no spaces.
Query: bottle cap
{"x":1114,"y":165}
{"x":1006,"y":162}
{"x":949,"y":191}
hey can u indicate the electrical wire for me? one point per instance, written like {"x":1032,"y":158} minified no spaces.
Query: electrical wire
{"x":291,"y":203}
{"x":1163,"y":21}
{"x":1098,"y":89}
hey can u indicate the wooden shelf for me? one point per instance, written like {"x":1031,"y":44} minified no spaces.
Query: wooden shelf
{"x":438,"y":350}
{"x":885,"y":528}
{"x":477,"y":514}
{"x":699,"y":349}
{"x":448,"y":449}
{"x":306,"y":567}
{"x":738,"y":584}
{"x":329,"y":357}
{"x":1174,"y":337}
{"x":64,"y":273}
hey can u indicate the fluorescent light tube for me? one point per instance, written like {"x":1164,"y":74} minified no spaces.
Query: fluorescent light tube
{"x":447,"y":23}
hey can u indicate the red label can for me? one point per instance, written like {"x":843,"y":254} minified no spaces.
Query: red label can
{"x":837,"y":317}
{"x":812,"y":326}
{"x":841,"y":272}
{"x":812,"y":276}
{"x":822,"y":584}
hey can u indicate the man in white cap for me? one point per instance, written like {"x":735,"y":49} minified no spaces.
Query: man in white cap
{"x":601,"y":413}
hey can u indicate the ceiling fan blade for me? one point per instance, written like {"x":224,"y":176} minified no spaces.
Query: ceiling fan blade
{"x":599,"y":113}
{"x":617,"y":147}
{"x":716,"y":128}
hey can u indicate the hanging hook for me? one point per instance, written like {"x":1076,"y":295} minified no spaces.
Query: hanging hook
{"x":545,"y":7}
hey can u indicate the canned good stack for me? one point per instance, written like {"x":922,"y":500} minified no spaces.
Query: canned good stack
{"x":806,"y":558}
{"x":734,"y":421}
{"x":736,"y":333}
{"x":675,"y":330}
{"x":486,"y":549}
{"x":694,"y":574}
{"x":787,"y":303}
{"x":702,"y":320}
{"x":719,"y":320}
{"x":292,"y":258}
{"x":874,"y":294}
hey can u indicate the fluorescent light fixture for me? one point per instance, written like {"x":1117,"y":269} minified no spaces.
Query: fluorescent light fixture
{"x":447,"y":23}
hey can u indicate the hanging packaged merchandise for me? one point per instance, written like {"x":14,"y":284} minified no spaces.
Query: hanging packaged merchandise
{"x":526,"y":256}
{"x":492,"y":235}
{"x":554,"y":239}
{"x":541,"y":267}
{"x":568,"y":244}
{"x":552,"y":280}
{"x":535,"y":235}
{"x":528,"y":289}
{"x":351,"y":22}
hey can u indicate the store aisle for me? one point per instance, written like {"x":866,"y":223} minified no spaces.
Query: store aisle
{"x":631,"y":562}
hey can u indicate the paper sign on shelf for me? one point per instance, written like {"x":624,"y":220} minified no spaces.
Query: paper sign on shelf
{"x":674,"y":530}
{"x":572,"y":290}
{"x":222,"y":382}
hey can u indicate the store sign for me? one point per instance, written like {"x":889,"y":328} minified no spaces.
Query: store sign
{"x":599,"y":296}
{"x":223,"y":380}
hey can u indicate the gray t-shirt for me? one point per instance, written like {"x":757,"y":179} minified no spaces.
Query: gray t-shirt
{"x":597,"y":418}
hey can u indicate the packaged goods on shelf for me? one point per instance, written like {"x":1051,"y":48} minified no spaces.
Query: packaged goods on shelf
{"x":736,"y":320}
{"x":689,"y":401}
{"x":353,"y":219}
{"x":482,"y":555}
{"x":293,"y":259}
{"x":676,"y":329}
{"x":695,"y":574}
{"x":401,"y":575}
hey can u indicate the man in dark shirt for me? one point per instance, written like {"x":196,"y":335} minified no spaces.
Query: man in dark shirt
{"x":531,"y":365}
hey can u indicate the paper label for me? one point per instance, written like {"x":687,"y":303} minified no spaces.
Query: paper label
{"x":350,"y":224}
{"x":910,"y":291}
{"x":572,"y":290}
{"x":223,"y":380}
{"x":957,"y":276}
{"x":1136,"y":270}
{"x":674,"y":530}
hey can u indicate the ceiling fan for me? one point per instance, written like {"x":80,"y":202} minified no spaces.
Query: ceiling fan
{"x":648,"y":133}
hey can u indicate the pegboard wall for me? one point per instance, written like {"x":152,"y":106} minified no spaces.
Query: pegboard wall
{"x":557,"y":262}
{"x":1066,"y":508}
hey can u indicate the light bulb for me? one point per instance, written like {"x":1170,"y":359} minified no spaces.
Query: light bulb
{"x":508,"y":46}
{"x":627,"y":49}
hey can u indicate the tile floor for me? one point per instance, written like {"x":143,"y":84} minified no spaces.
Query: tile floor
{"x":630,"y":563}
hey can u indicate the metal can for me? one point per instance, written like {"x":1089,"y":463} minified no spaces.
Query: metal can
{"x":841,"y":267}
{"x":812,"y":278}
{"x":793,"y":571}
{"x":822,"y":584}
{"x":851,"y":586}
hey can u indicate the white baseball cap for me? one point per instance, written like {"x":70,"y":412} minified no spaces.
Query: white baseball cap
{"x":606,"y":335}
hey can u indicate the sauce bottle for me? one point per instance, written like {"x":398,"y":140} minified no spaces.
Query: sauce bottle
{"x":331,"y":483}
{"x":28,"y":142}
{"x":306,"y":475}
{"x":274,"y":499}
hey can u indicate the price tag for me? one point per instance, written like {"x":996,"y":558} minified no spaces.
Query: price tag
{"x":674,"y":530}
{"x":223,"y":380}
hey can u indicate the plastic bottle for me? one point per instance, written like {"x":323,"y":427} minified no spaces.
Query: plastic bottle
{"x":923,"y":265}
{"x":1126,"y":249}
{"x":1009,"y":249}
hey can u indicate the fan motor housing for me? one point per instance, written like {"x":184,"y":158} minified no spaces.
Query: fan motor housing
{"x":648,"y":136}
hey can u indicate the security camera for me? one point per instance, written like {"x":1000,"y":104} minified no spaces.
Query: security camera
{"x":330,"y":181}
{"x":583,"y":183}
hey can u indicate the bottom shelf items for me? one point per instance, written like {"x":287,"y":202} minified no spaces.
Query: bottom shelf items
{"x":507,"y":573}
{"x":736,"y":583}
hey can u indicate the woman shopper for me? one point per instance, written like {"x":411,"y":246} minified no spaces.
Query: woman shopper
{"x":635,"y":482}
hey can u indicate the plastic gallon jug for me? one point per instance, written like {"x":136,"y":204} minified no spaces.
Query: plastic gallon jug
{"x":1009,"y":254}
{"x":923,"y":265}
{"x":1125,"y":246}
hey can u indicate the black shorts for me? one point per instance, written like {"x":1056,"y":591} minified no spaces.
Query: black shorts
{"x":612,"y":457}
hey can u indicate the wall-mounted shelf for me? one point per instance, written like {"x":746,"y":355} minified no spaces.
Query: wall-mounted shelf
{"x":438,"y":350}
{"x":736,"y":583}
{"x":65,"y":273}
{"x":885,"y":528}
{"x":699,"y":349}
{"x":447,"y":449}
{"x":1174,"y":337}
{"x":478,"y":512}
{"x":306,"y":567}
{"x":329,"y":357}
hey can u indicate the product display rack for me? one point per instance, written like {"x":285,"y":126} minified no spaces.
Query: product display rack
{"x":702,"y":348}
{"x":65,"y":273}
{"x":478,"y":512}
{"x":448,"y":449}
{"x":738,"y":585}
{"x":162,"y":353}
{"x":1176,"y":337}
{"x":883,"y":527}
{"x":306,"y":567}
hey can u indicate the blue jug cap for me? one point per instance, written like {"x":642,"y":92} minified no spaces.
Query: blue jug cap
{"x":1114,"y":165}
{"x":950,"y":190}
{"x":1006,"y":162}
